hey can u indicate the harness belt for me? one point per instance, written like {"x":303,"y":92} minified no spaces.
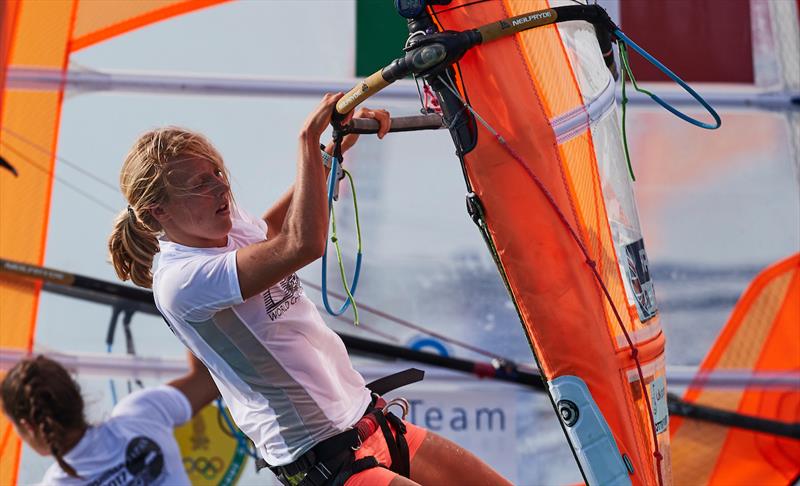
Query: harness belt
{"x":332,"y":461}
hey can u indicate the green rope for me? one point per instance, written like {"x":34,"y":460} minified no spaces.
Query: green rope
{"x":335,"y":241}
{"x":626,"y":68}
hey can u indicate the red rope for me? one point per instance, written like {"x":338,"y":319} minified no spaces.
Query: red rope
{"x":431,"y":103}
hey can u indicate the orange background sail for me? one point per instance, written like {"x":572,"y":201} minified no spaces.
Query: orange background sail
{"x":763,"y":334}
{"x":43,"y":34}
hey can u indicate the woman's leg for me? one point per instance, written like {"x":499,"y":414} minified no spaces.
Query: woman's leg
{"x":401,"y":481}
{"x":440,"y":462}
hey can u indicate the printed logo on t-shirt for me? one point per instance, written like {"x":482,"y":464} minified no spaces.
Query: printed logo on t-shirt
{"x":143,"y":466}
{"x":279,"y":298}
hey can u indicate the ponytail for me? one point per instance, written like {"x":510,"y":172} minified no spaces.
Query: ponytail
{"x":132,"y":246}
{"x":41,"y":392}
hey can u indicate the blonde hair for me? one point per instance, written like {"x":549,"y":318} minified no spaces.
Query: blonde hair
{"x":143,"y":181}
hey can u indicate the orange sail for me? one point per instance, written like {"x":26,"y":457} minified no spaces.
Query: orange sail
{"x":43,"y":34}
{"x":554,"y":194}
{"x":762,"y":335}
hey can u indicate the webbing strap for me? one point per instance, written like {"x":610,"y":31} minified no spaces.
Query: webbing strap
{"x":401,"y":464}
{"x":329,"y":462}
{"x":355,"y":467}
{"x":393,"y":445}
{"x":324,"y":473}
{"x":384,"y":385}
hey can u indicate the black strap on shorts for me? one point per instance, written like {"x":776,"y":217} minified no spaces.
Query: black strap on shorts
{"x":332,"y":461}
{"x":384,"y":385}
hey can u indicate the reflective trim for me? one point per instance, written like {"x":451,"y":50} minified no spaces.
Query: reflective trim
{"x":299,"y":417}
{"x":649,"y":369}
{"x":577,"y":121}
{"x":640,"y":335}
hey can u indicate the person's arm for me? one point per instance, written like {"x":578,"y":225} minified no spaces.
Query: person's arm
{"x":197,"y":385}
{"x":301,"y":239}
{"x":276,"y":214}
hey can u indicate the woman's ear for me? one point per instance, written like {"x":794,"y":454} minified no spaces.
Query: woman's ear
{"x":32,"y":437}
{"x":29,"y":429}
{"x":158,"y":213}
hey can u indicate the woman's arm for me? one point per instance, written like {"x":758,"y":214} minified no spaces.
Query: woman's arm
{"x":275,"y":215}
{"x":197,"y":385}
{"x":301,"y":239}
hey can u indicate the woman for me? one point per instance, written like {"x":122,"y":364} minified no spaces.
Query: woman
{"x":226,"y":284}
{"x":135,"y":446}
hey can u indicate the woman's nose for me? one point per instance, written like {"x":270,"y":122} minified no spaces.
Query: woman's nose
{"x":223,"y":189}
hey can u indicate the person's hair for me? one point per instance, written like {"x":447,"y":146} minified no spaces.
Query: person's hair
{"x":134,"y":240}
{"x":41,"y":392}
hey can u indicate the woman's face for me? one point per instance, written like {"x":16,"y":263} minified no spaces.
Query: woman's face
{"x":198,"y":211}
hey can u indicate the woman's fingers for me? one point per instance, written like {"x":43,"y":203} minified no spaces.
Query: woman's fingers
{"x":320,"y":118}
{"x":383,"y":118}
{"x":385,"y":121}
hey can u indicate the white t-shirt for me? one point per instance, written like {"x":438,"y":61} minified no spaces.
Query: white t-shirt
{"x":136,"y":446}
{"x":284,"y":375}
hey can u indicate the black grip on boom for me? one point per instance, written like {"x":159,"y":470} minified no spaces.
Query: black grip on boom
{"x":399,"y":124}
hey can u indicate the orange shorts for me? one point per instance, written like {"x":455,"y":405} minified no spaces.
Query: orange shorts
{"x":376,"y":446}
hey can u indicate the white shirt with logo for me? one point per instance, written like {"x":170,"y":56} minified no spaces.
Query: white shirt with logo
{"x":136,"y":446}
{"x":284,"y":375}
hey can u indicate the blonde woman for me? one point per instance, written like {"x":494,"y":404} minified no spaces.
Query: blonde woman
{"x":225,"y":282}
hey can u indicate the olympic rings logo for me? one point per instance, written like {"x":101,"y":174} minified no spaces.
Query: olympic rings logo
{"x":208,"y":468}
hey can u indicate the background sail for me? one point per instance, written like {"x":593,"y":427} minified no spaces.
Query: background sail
{"x":762,"y":335}
{"x":43,"y":34}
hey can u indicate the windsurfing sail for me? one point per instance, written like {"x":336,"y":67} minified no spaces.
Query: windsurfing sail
{"x":762,"y":336}
{"x":557,"y":208}
{"x":43,"y":35}
{"x":530,"y":106}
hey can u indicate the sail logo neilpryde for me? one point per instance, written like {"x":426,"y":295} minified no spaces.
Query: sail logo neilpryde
{"x":531,"y":18}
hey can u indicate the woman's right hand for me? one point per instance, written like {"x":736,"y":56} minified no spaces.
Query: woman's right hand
{"x":319,"y":119}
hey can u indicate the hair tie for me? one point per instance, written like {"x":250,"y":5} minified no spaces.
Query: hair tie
{"x":131,"y":212}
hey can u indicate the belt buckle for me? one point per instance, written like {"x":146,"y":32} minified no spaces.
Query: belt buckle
{"x":357,"y":447}
{"x":400,"y":402}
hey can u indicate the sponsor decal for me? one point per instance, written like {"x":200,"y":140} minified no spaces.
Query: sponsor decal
{"x":353,"y":97}
{"x":279,"y":298}
{"x":638,"y":273}
{"x":531,"y":18}
{"x":144,"y":465}
{"x":658,"y":399}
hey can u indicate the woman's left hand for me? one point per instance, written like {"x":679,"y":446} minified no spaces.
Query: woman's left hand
{"x":383,"y":118}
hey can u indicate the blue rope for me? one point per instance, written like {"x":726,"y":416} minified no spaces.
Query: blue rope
{"x":240,"y":438}
{"x":718,"y":122}
{"x":112,"y":385}
{"x":352,"y":288}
